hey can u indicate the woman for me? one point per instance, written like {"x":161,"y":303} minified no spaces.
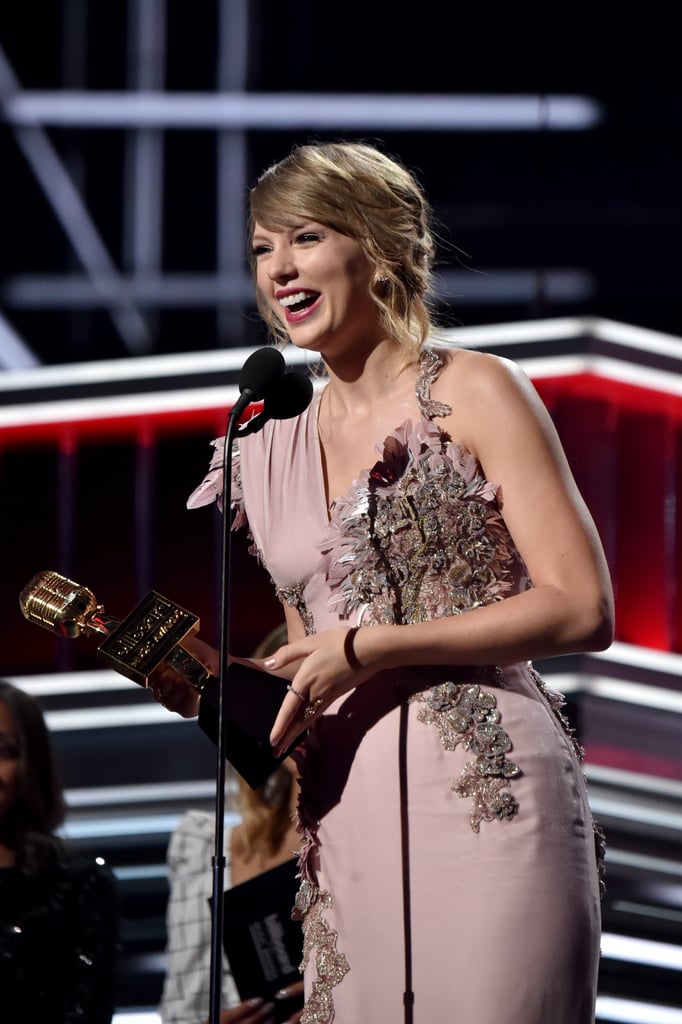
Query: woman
{"x":58,"y":913}
{"x":448,"y":860}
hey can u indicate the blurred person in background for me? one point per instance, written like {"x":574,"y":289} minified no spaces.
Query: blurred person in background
{"x":264,"y":838}
{"x":59,"y":913}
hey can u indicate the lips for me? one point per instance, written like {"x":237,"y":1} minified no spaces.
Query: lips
{"x":298,"y":304}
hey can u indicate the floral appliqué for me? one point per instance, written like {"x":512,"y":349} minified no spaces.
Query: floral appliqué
{"x":467,"y":716}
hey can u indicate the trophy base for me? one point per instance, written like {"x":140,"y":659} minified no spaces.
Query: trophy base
{"x":147,"y":637}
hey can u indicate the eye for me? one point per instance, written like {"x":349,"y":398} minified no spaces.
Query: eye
{"x":307,"y":237}
{"x":260,"y":250}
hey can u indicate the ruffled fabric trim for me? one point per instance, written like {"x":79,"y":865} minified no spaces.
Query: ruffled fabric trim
{"x":211,"y":487}
{"x":422,"y":522}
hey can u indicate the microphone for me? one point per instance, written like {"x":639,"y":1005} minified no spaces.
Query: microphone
{"x":288,"y":397}
{"x":259,"y":374}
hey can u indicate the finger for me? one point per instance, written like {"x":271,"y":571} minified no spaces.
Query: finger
{"x":289,"y":717}
{"x":286,"y":655}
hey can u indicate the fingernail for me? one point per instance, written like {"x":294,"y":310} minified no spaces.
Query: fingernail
{"x":256,"y":1001}
{"x":269,"y":662}
{"x":283,"y":993}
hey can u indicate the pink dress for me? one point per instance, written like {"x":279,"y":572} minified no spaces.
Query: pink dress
{"x":449,"y":865}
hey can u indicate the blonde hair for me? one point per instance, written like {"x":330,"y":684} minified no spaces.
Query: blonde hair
{"x":265,"y":812}
{"x":358,"y":191}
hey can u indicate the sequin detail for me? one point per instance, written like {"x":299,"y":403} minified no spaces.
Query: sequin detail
{"x":600,"y":854}
{"x":419,"y":536}
{"x":430,"y":364}
{"x":293,"y":596}
{"x":319,"y":939}
{"x":466,"y":715}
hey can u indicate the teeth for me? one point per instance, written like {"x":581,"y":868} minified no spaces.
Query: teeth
{"x":291,"y":300}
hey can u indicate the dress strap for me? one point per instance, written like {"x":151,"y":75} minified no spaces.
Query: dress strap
{"x":430,"y":365}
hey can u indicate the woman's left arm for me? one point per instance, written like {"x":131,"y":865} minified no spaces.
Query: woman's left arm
{"x":500,"y":419}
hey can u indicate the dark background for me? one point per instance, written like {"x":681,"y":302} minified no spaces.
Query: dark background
{"x":605,"y":203}
{"x":518,"y":213}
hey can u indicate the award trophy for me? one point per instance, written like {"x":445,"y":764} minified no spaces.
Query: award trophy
{"x":151,"y":635}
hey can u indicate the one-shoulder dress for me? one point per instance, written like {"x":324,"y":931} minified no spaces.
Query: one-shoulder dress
{"x":450,"y":866}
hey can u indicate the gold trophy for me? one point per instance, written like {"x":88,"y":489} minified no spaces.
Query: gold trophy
{"x":151,"y":634}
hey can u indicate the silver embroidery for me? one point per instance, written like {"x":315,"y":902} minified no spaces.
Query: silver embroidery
{"x":466,"y":715}
{"x":319,"y":938}
{"x":293,"y":596}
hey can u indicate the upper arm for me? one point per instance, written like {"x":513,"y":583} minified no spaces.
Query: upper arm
{"x":506,"y":426}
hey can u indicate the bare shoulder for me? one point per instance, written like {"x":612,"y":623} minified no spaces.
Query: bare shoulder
{"x":488,"y":394}
{"x":483,"y":373}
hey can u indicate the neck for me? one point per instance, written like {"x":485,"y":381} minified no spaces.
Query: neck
{"x":359,"y":376}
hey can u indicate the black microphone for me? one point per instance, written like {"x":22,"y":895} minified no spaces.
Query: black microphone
{"x":288,"y":397}
{"x":259,"y":374}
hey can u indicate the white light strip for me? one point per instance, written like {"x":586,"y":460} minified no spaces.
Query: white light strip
{"x":641,"y":862}
{"x":513,"y":286}
{"x":136,"y":1017}
{"x":14,"y":352}
{"x":200,"y":789}
{"x":626,"y":1011}
{"x":601,"y":774}
{"x":138,"y":825}
{"x":142,"y":368}
{"x":171,"y":290}
{"x":622,"y":690}
{"x":637,"y":337}
{"x":113,"y":717}
{"x":647,"y":911}
{"x":138,"y":872}
{"x":72,"y":682}
{"x":118,"y":406}
{"x":641,"y":951}
{"x":627,"y":812}
{"x":642,"y":657}
{"x":557,"y":328}
{"x":194,"y":399}
{"x":87,"y":828}
{"x":498,"y":335}
{"x":290,"y":111}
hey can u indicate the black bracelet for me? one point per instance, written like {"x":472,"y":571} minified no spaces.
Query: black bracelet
{"x":349,"y":649}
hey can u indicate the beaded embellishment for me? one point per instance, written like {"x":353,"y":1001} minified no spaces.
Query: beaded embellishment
{"x":467,"y":716}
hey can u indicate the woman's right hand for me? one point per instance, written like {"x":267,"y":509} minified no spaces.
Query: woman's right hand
{"x":172,"y":690}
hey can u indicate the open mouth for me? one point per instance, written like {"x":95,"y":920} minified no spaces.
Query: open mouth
{"x":298,"y":301}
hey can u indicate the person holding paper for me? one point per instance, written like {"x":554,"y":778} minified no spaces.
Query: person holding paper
{"x":264,"y":838}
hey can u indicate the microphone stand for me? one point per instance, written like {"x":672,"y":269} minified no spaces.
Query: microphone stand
{"x":218,"y":860}
{"x":264,"y":373}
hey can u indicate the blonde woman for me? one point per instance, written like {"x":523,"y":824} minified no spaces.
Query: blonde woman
{"x":426,"y":537}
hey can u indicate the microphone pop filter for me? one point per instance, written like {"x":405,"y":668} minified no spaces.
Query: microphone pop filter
{"x":293,"y":394}
{"x":261,"y":371}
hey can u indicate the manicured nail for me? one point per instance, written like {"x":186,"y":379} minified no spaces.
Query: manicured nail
{"x":256,"y":1001}
{"x":269,"y":662}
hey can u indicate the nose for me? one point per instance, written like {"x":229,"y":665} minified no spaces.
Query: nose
{"x":281,"y":264}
